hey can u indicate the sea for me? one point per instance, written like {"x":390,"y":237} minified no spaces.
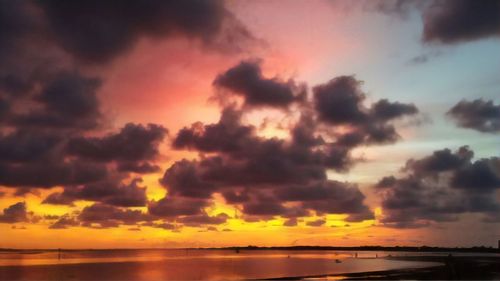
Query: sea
{"x":194,"y":264}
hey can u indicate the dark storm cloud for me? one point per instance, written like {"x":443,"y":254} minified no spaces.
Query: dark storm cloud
{"x":203,"y":219}
{"x":69,"y":101}
{"x":318,"y":222}
{"x":340,"y":102}
{"x":264,"y":206}
{"x":14,"y":213}
{"x":170,"y":207}
{"x":329,"y":197}
{"x":111,"y":192}
{"x":27,"y":145}
{"x":41,"y":174}
{"x":267,"y":206}
{"x":23,"y":49}
{"x":59,"y":198}
{"x":248,"y":160}
{"x":386,"y":182}
{"x":64,"y":222}
{"x":236,"y":196}
{"x":265,"y":175}
{"x":385,"y":110}
{"x":439,"y":188}
{"x":139,"y":168}
{"x":479,"y":115}
{"x":453,"y":21}
{"x":247,"y":81}
{"x":445,"y":21}
{"x":266,"y":163}
{"x":39,"y":159}
{"x":290,"y":222}
{"x":97,"y":31}
{"x":482,"y":175}
{"x":227,"y":135}
{"x":4,"y":108}
{"x":32,"y":158}
{"x":399,"y":8}
{"x":50,"y":112}
{"x":103,"y":215}
{"x":440,"y":161}
{"x":183,"y":178}
{"x":162,"y":225}
{"x":134,"y":142}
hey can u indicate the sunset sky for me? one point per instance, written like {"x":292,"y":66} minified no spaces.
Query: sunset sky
{"x":208,"y":123}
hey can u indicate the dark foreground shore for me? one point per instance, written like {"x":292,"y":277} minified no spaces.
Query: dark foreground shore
{"x":452,"y":268}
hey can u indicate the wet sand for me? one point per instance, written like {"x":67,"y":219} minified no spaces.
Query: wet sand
{"x":452,"y":268}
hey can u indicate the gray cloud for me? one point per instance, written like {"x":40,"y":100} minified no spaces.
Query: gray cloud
{"x":453,"y":21}
{"x":246,"y":80}
{"x":439,"y":188}
{"x":97,"y":32}
{"x":479,"y":115}
{"x":14,"y":213}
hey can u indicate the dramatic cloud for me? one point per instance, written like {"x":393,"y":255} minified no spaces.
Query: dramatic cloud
{"x":262,"y":175}
{"x":328,"y":197}
{"x":32,"y":144}
{"x":103,"y":215}
{"x":246,"y":80}
{"x":170,"y":207}
{"x":340,"y":102}
{"x":204,"y":219}
{"x":64,"y":222}
{"x":482,"y":176}
{"x":440,"y":187}
{"x":14,"y":213}
{"x":96,"y":31}
{"x":385,"y":110}
{"x":68,"y":101}
{"x":134,"y":142}
{"x":228,"y":135}
{"x":318,"y":222}
{"x":41,"y":174}
{"x":452,"y":21}
{"x":440,"y":161}
{"x":111,"y":192}
{"x":445,"y":21}
{"x":479,"y":115}
{"x":26,"y":145}
{"x":273,"y":177}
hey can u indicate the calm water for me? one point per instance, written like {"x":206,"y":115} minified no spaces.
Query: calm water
{"x":190,"y":264}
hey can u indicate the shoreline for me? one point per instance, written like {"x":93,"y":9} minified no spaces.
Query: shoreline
{"x":420,"y":249}
{"x":452,"y":268}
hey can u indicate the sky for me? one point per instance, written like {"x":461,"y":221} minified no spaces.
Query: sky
{"x":145,"y":124}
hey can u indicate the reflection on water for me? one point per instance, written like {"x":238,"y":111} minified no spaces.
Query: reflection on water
{"x":190,"y":264}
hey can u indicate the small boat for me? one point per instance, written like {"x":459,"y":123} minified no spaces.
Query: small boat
{"x":338,"y":261}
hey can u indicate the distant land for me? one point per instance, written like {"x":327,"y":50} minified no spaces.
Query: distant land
{"x":477,"y":249}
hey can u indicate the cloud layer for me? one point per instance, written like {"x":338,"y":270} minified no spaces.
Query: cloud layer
{"x":439,"y":188}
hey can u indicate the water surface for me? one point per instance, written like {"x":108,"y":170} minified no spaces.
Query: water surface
{"x":191,"y":264}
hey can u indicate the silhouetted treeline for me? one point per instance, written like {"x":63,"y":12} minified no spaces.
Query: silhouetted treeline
{"x":479,"y":249}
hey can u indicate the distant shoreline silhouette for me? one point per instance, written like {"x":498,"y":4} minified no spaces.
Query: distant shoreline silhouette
{"x":477,"y":249}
